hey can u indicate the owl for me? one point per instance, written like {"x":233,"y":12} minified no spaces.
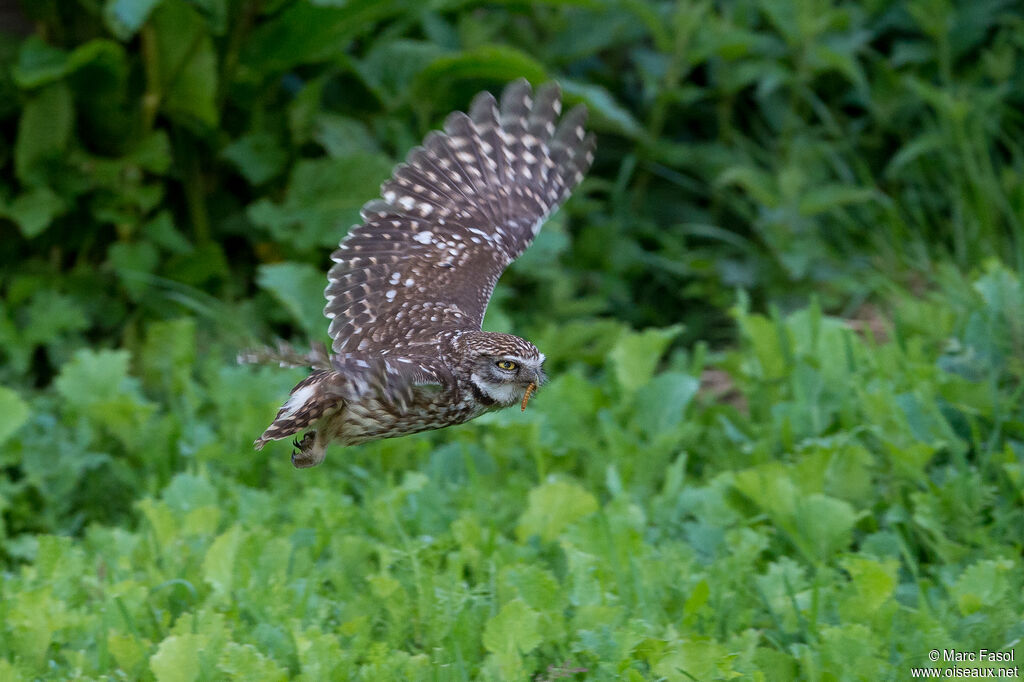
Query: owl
{"x":409,"y":286}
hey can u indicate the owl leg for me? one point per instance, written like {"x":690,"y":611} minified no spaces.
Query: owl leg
{"x":307,"y":453}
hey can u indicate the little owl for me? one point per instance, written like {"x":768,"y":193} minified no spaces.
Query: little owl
{"x":407,"y":293}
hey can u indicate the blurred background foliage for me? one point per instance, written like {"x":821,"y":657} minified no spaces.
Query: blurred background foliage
{"x":175,"y":173}
{"x":157,"y":154}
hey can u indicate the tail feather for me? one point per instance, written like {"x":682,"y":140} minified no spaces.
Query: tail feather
{"x":305,"y":405}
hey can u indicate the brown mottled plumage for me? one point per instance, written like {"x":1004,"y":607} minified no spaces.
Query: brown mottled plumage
{"x":407,"y":294}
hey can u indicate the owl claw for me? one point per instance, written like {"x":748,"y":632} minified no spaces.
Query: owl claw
{"x":301,"y":455}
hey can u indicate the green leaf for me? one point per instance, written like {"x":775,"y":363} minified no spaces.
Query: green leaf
{"x":552,"y":507}
{"x":873,"y":582}
{"x":853,"y":651}
{"x":661,"y":404}
{"x":34,"y":210}
{"x":567,"y":404}
{"x":303,"y":32}
{"x":219,"y":562}
{"x":50,"y":315}
{"x":391,"y":67}
{"x":96,"y":384}
{"x":95,"y":376}
{"x":169,"y":355}
{"x":983,"y":584}
{"x":817,"y":200}
{"x":925,"y":144}
{"x":694,"y":659}
{"x":604,"y":112}
{"x":498,"y":63}
{"x":132,"y":261}
{"x":635,"y":356}
{"x":43,"y":133}
{"x":188,"y":492}
{"x":152,"y":152}
{"x":176,"y":658}
{"x":246,"y":662}
{"x":697,"y":599}
{"x":341,"y":136}
{"x":534,"y":585}
{"x":125,"y":17}
{"x":541,"y":260}
{"x":13,"y":413}
{"x":300,"y":288}
{"x":128,"y":651}
{"x":324,"y":197}
{"x":770,"y":356}
{"x":188,"y":65}
{"x":41,"y":64}
{"x":257,"y":156}
{"x":824,"y":525}
{"x":761,"y":186}
{"x":198,"y":265}
{"x":162,"y":232}
{"x":514,"y":631}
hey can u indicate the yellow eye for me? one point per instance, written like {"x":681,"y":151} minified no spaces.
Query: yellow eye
{"x":507,"y":365}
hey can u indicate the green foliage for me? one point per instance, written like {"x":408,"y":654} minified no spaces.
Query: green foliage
{"x":785,"y":150}
{"x":174,"y":173}
{"x":13,"y":412}
{"x":866,"y":509}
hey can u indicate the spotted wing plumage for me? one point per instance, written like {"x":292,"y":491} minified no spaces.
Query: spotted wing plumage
{"x":452,"y":217}
{"x":351,"y":378}
{"x":391,"y":379}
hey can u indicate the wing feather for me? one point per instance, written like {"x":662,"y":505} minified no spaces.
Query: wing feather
{"x":355,"y":377}
{"x":462,"y":207}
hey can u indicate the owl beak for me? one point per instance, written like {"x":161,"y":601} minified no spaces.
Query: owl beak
{"x":526,"y":396}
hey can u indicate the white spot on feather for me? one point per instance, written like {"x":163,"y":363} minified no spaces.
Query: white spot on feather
{"x":481,"y":233}
{"x":297,"y":400}
{"x":423,"y":237}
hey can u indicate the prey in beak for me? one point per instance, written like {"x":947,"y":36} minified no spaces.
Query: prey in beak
{"x":526,"y":396}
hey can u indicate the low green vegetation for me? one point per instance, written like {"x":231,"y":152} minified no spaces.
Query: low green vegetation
{"x":784,"y":318}
{"x":852,"y":504}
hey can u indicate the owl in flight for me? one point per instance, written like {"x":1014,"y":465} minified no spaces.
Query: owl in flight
{"x":409,"y":286}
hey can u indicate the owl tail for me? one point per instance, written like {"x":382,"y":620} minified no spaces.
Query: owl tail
{"x":306,"y":404}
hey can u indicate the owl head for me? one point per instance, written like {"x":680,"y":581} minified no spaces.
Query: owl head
{"x":502,"y":367}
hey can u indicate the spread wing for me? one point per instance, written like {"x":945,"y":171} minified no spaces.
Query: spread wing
{"x":453,"y":216}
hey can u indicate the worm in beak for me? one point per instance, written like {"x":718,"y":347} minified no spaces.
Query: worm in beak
{"x":526,"y":397}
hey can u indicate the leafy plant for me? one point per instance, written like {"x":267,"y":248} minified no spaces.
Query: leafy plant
{"x":868,"y":503}
{"x":173,"y":174}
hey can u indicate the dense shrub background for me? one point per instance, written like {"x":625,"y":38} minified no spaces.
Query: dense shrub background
{"x":784,"y":317}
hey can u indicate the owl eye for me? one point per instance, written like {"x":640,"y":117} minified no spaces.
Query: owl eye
{"x":506,"y":365}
